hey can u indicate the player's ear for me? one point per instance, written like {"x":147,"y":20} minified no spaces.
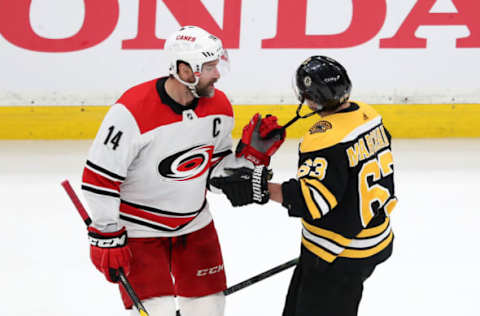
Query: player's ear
{"x":184,"y":71}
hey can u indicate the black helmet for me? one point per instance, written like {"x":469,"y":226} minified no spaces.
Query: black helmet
{"x":324,"y":81}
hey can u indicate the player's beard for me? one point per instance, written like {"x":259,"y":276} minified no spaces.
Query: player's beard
{"x":207,"y":90}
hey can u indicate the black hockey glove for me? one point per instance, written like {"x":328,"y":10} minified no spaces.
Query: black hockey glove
{"x":243,"y":186}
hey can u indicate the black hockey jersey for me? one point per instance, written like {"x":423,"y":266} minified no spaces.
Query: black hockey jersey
{"x":344,"y":189}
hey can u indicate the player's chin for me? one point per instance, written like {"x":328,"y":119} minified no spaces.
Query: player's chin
{"x":208,"y":91}
{"x":313,"y":107}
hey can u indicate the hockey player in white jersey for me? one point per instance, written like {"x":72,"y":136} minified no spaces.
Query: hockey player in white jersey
{"x":146,"y":177}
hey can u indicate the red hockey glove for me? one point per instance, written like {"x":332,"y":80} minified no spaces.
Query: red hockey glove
{"x":109,"y":252}
{"x":270,"y":124}
{"x":256,"y":144}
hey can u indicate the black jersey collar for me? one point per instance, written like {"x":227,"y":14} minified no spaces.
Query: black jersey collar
{"x":353,"y":107}
{"x":166,"y":99}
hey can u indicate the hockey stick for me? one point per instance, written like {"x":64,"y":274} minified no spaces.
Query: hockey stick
{"x":257,"y":278}
{"x":261,"y":276}
{"x":124,"y":281}
{"x":87,"y":220}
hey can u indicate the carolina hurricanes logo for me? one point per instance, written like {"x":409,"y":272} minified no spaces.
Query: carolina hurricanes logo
{"x":187,"y":164}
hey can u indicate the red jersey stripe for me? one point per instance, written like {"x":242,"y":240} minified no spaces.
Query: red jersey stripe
{"x":172,"y":222}
{"x":93,"y":178}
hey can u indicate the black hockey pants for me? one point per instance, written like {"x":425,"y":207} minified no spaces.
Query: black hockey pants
{"x":329,"y":291}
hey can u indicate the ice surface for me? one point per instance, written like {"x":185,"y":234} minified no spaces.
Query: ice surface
{"x":45,"y":267}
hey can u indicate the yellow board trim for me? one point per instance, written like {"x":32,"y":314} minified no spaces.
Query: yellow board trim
{"x":50,"y":122}
{"x":402,"y":120}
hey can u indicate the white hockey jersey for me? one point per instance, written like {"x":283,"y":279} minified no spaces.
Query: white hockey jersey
{"x":148,"y":166}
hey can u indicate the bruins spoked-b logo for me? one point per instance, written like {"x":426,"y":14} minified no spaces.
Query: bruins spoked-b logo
{"x":187,"y":164}
{"x":320,"y":127}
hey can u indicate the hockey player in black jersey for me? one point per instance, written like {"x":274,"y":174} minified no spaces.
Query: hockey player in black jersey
{"x":343,"y":192}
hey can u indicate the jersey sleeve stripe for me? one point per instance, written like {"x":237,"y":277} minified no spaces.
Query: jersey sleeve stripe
{"x":100,"y":191}
{"x":216,"y":158}
{"x":318,"y":198}
{"x":104,"y":172}
{"x":95,"y":179}
{"x":311,"y":205}
{"x":222,"y":153}
{"x":329,"y":197}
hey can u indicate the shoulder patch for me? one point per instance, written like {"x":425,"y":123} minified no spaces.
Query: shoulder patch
{"x":320,"y":127}
{"x":340,"y":127}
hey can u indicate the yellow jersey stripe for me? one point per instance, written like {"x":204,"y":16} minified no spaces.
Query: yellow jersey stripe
{"x":331,"y":199}
{"x":391,"y":205}
{"x":307,"y":196}
{"x":355,"y":253}
{"x":363,"y":128}
{"x":369,"y":232}
{"x":337,"y":238}
{"x":325,"y":255}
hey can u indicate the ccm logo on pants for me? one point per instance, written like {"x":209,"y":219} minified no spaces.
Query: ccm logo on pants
{"x":211,"y":270}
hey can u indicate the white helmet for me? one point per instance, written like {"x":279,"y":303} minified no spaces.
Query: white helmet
{"x":193,"y":46}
